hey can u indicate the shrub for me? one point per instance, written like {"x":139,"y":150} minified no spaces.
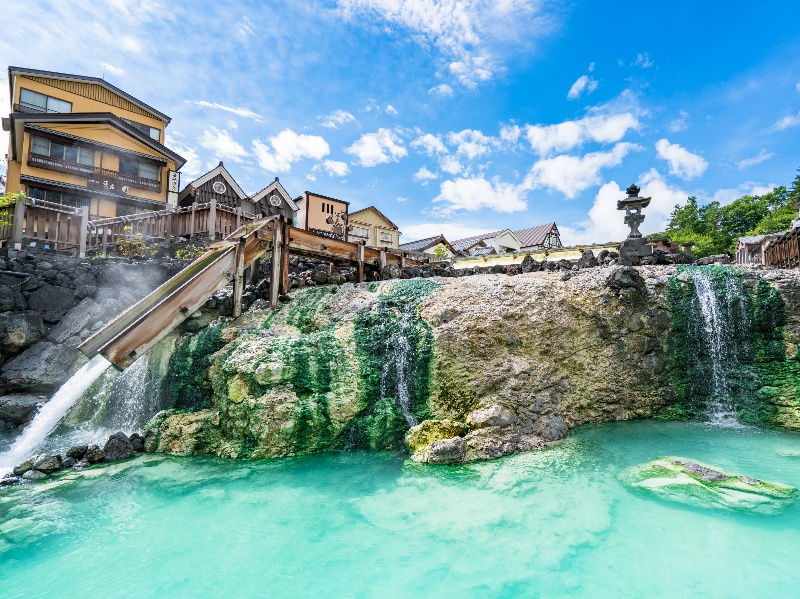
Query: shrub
{"x":192,"y":252}
{"x":134,"y":244}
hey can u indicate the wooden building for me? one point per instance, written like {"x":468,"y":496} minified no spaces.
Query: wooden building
{"x":80,"y":141}
{"x":273,"y":200}
{"x":322,"y":214}
{"x":429,"y":245}
{"x":541,"y":237}
{"x":371,"y":227}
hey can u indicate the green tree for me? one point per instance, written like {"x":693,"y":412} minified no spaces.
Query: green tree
{"x":440,"y":252}
{"x":8,"y":199}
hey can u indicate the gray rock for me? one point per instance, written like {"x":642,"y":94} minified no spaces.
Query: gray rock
{"x":19,"y":330}
{"x":446,"y":451}
{"x":587,"y":260}
{"x":550,"y":427}
{"x":19,"y":409}
{"x":79,"y":318}
{"x":137,"y":442}
{"x":11,"y":299}
{"x":118,"y":447}
{"x":84,"y":291}
{"x":77,"y":451}
{"x":52,"y":302}
{"x":9,"y":480}
{"x":495,"y":415}
{"x":85,"y":279}
{"x":391,"y":271}
{"x":47,"y":463}
{"x":94,"y":454}
{"x":40,"y":368}
{"x":23,"y":467}
{"x":626,"y":277}
{"x":721,"y":258}
{"x":69,"y":462}
{"x":81,"y":464}
{"x":33,"y":475}
{"x":319,"y":277}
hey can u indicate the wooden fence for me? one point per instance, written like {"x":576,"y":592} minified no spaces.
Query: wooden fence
{"x":46,"y":225}
{"x":784,"y":252}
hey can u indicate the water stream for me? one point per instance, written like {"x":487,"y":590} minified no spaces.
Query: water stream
{"x":52,"y":413}
{"x":398,"y":349}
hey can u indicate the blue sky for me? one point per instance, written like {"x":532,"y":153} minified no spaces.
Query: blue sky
{"x":453,"y":116}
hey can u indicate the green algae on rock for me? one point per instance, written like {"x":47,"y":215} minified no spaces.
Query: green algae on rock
{"x":689,"y":482}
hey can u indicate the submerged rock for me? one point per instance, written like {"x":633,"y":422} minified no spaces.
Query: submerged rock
{"x":689,"y":482}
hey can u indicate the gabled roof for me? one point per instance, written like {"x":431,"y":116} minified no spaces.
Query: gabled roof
{"x":467,"y":242}
{"x":420,"y":245}
{"x":218,"y":170}
{"x":20,"y":119}
{"x":277,"y":187}
{"x":482,"y":251}
{"x":85,"y":79}
{"x":534,"y":235}
{"x":382,"y":215}
{"x":319,"y":195}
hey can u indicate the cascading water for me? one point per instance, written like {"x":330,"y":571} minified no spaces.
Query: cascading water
{"x":396,"y":368}
{"x":723,"y":331}
{"x":51,"y":413}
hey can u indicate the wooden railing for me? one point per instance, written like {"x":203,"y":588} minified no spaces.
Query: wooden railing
{"x":784,"y":252}
{"x":47,"y":225}
{"x":97,"y":178}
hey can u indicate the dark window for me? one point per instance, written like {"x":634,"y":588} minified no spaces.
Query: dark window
{"x":65,"y":198}
{"x":146,"y":129}
{"x":30,"y":101}
{"x":135,"y":168}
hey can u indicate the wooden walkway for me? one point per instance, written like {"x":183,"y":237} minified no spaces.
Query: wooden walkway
{"x":784,"y":252}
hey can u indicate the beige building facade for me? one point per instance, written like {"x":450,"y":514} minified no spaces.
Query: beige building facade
{"x":371,"y":227}
{"x":322,"y":214}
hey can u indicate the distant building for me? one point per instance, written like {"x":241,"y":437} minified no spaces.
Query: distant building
{"x":752,"y":248}
{"x":429,"y":245}
{"x":505,"y":241}
{"x":322,"y":214}
{"x":80,"y":141}
{"x":372,"y":227}
{"x":274,"y":199}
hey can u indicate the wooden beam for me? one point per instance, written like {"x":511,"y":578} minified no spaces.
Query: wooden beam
{"x":285,"y":237}
{"x":360,"y":266}
{"x":238,"y":279}
{"x":18,"y":223}
{"x":382,"y":260}
{"x":83,"y":230}
{"x":275,"y":270}
{"x":212,"y":219}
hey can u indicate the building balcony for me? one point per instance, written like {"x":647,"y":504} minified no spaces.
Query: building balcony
{"x":96,"y":177}
{"x":31,"y":109}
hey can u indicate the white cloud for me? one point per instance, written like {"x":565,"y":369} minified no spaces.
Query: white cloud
{"x":591,"y":67}
{"x":450,"y":165}
{"x":763,"y":156}
{"x":545,"y":139}
{"x":471,"y":143}
{"x":441,"y":90}
{"x":424,"y":175}
{"x":222,"y":145}
{"x":242,"y":112}
{"x":430,"y":144}
{"x":510,"y":133}
{"x":334,"y":168}
{"x":681,"y":161}
{"x":376,"y":148}
{"x":287,"y":147}
{"x":679,"y":124}
{"x":786,"y":122}
{"x":193,"y":167}
{"x":476,"y":193}
{"x":573,"y":174}
{"x":245,"y":29}
{"x":748,"y":188}
{"x":584,"y":83}
{"x":337,"y":118}
{"x":643,"y":60}
{"x":451,"y":231}
{"x":390,"y":109}
{"x":462,"y":31}
{"x":605,"y":223}
{"x":116,"y":71}
{"x":401,"y":199}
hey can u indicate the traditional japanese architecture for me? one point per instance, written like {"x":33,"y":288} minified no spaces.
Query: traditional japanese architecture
{"x":752,"y":249}
{"x":372,"y":227}
{"x":79,"y":141}
{"x":505,"y":241}
{"x":322,"y":214}
{"x":430,"y":246}
{"x":273,"y":200}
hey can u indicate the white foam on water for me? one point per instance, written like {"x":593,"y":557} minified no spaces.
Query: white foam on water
{"x":50,"y":414}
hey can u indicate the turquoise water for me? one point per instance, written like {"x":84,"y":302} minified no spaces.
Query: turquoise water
{"x":545,"y":524}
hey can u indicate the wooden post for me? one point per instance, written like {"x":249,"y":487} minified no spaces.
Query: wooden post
{"x":168,"y":228}
{"x":403,"y":260}
{"x":212,"y":219}
{"x":383,"y":259}
{"x":284,"y":288}
{"x":105,"y":239}
{"x":191,"y":221}
{"x":19,"y":223}
{"x":238,"y":280}
{"x":238,"y":216}
{"x":83,"y":230}
{"x":255,"y":271}
{"x":360,"y":259}
{"x":275,"y":270}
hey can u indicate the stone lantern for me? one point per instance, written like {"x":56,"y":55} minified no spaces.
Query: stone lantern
{"x":635,"y":246}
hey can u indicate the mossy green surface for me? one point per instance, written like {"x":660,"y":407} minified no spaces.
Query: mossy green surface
{"x":761,"y":369}
{"x":188,"y":386}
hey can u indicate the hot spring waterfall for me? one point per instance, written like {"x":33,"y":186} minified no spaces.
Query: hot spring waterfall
{"x":723,"y":332}
{"x":53,"y":412}
{"x":398,"y":351}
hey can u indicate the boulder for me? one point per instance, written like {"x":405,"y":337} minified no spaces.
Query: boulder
{"x":529,"y":264}
{"x":19,"y":409}
{"x":41,"y":368}
{"x":391,"y":271}
{"x":494,"y":415}
{"x":47,"y":463}
{"x":428,"y":431}
{"x":445,"y":451}
{"x":719,"y":258}
{"x":19,"y":330}
{"x":494,"y":442}
{"x":94,"y":454}
{"x":80,"y":464}
{"x":626,"y":277}
{"x":77,"y":451}
{"x":587,"y":260}
{"x":23,"y":467}
{"x":68,"y":463}
{"x":11,"y":299}
{"x":137,"y":442}
{"x":118,"y":447}
{"x":33,"y":475}
{"x":9,"y":479}
{"x":320,"y":277}
{"x":52,"y":302}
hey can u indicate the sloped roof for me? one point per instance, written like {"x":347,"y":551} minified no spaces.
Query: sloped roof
{"x":751,"y":239}
{"x":482,"y":251}
{"x":274,"y":186}
{"x":423,"y":244}
{"x":382,"y":215}
{"x":534,"y":235}
{"x":218,"y":170}
{"x":467,"y":242}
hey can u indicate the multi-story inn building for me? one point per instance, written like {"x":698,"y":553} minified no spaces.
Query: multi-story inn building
{"x":80,"y":141}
